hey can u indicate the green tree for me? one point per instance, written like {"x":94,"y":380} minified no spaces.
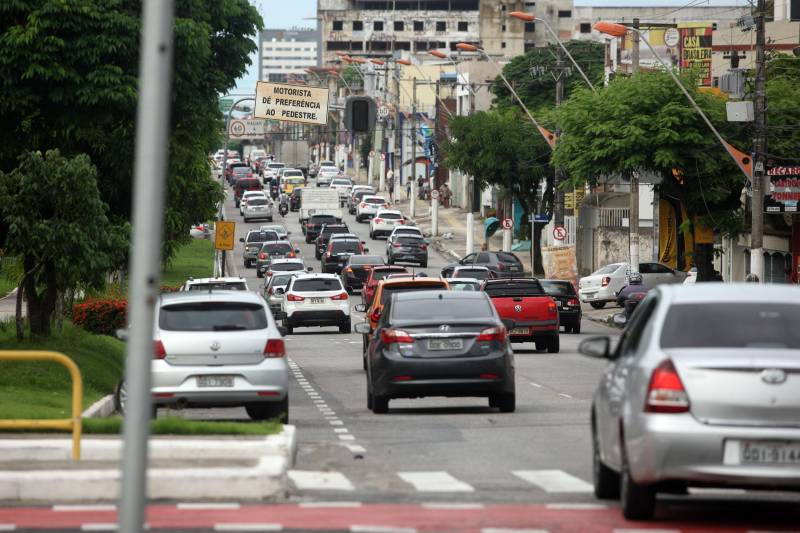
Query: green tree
{"x":498,"y":149}
{"x":58,"y":225}
{"x":644,"y":123}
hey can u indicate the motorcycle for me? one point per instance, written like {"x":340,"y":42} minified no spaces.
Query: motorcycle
{"x":283,"y":209}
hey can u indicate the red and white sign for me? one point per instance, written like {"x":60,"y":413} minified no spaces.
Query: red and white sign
{"x":508,"y":223}
{"x":559,"y":233}
{"x":434,"y":194}
{"x":372,"y":153}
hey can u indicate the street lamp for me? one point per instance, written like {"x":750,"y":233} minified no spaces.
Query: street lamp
{"x":529,"y":17}
{"x":442,"y":55}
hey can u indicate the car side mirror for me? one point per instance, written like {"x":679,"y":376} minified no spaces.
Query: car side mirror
{"x":280,"y":290}
{"x":309,"y":269}
{"x":363,"y":242}
{"x":241,"y":239}
{"x":297,"y":250}
{"x":361,"y":308}
{"x":597,"y":347}
{"x":619,"y":319}
{"x":363,"y":328}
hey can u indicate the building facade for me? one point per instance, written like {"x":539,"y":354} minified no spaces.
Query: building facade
{"x":285,"y":54}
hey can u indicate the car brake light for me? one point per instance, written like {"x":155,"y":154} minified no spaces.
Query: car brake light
{"x":552,"y":309}
{"x":348,"y":270}
{"x":377,"y":220}
{"x":402,"y":378}
{"x":395,"y":336}
{"x":423,"y":246}
{"x":294,"y":298}
{"x":666,"y":393}
{"x":342,"y":296}
{"x":396,"y":245}
{"x":262,"y":255}
{"x":158,"y":350}
{"x":291,"y":254}
{"x":489,"y":376}
{"x":492,"y":334}
{"x":573,"y":302}
{"x":375,"y":315}
{"x":606,"y":281}
{"x":401,"y":221}
{"x":270,"y":291}
{"x":275,"y":348}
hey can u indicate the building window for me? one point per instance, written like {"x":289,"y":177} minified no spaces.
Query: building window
{"x":422,"y":46}
{"x":463,"y":26}
{"x":419,"y":25}
{"x":377,"y":25}
{"x":530,"y":27}
{"x":564,"y":14}
{"x":338,"y":25}
{"x":503,"y":44}
{"x":586,"y":27}
{"x":441,"y":25}
{"x":338,"y":45}
{"x":398,"y":25}
{"x":503,"y":8}
{"x":503,"y":28}
{"x":530,"y":4}
{"x":357,"y":45}
{"x":402,"y":45}
{"x":358,"y":25}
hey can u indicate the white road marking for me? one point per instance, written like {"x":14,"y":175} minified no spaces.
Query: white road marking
{"x":563,"y":395}
{"x":536,"y":385}
{"x":452,"y":506}
{"x":340,"y":430}
{"x":381,"y":529}
{"x":99,"y":527}
{"x":554,"y":480}
{"x":435,"y":482}
{"x":323,"y":505}
{"x":701,"y":491}
{"x":8,"y":527}
{"x":346,"y":437}
{"x":336,"y":422}
{"x":511,"y":530}
{"x":576,"y":506}
{"x":192,"y":506}
{"x":248,"y":527}
{"x":82,"y":508}
{"x":317,"y":480}
{"x":355,"y":448}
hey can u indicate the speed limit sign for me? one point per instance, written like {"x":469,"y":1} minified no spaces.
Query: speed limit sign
{"x":435,"y":194}
{"x":237,"y":128}
{"x":383,"y":111}
{"x":508,"y":223}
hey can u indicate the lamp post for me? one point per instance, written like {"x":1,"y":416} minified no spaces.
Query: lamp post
{"x":442,"y":55}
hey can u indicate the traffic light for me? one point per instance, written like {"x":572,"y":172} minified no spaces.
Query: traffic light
{"x":359,"y":114}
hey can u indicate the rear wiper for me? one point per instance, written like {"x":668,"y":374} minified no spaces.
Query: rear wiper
{"x":228,"y":327}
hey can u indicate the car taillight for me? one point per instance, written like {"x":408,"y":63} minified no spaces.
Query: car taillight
{"x":269,"y":273}
{"x":158,"y":350}
{"x":338,"y":297}
{"x":401,"y":221}
{"x":348,"y":270}
{"x":606,"y":281}
{"x":294,"y":298}
{"x":492,"y":334}
{"x":363,"y":204}
{"x":262,"y":255}
{"x":375,"y":315}
{"x":395,"y":336}
{"x":573,"y":302}
{"x":275,"y":348}
{"x":666,"y":393}
{"x":291,"y":254}
{"x":552,"y":309}
{"x":423,"y":246}
{"x":270,"y":291}
{"x":396,"y":245}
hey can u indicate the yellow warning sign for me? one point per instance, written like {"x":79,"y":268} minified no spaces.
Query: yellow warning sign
{"x":226,"y":231}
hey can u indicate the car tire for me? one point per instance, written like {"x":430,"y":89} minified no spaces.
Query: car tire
{"x":369,"y":400}
{"x":268,"y":411}
{"x":576,"y":327}
{"x":346,"y":327}
{"x":638,"y":502}
{"x":606,"y":481}
{"x":597,"y":305}
{"x":246,"y":263}
{"x":246,"y":220}
{"x":507,"y":403}
{"x":553,"y":344}
{"x":307,"y":239}
{"x":380,"y":404}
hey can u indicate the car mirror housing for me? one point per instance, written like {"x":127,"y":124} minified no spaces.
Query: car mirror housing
{"x":361,"y":308}
{"x":362,"y":327}
{"x":241,"y":239}
{"x":280,"y":290}
{"x":309,"y":269}
{"x":619,"y":319}
{"x":597,"y":347}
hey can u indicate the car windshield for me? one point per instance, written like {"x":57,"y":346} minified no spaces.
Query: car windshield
{"x":732,"y":325}
{"x":316,"y":285}
{"x":558,"y":288}
{"x":219,"y":285}
{"x":388,"y":290}
{"x":262,"y":236}
{"x":212,"y":316}
{"x":608,"y":269}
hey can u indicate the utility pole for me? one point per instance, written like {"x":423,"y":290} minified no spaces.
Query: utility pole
{"x":558,"y":194}
{"x":436,"y":127}
{"x":397,"y":164}
{"x":760,"y":149}
{"x":633,"y":216}
{"x":413,"y":174}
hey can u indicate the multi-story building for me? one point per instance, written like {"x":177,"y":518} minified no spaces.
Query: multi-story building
{"x":285,"y":54}
{"x":383,"y":27}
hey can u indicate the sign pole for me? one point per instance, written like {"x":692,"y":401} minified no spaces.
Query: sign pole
{"x":150,"y":177}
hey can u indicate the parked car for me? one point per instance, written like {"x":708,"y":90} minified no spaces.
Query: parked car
{"x":530,"y":315}
{"x":315,"y":223}
{"x":369,"y":206}
{"x":702,"y":389}
{"x":569,"y":306}
{"x":356,"y":270}
{"x":217,"y":349}
{"x":338,"y":253}
{"x":321,"y":242}
{"x":252,"y":245}
{"x":408,"y":249}
{"x":503,"y":264}
{"x":376,"y":274}
{"x":257,"y":207}
{"x":415,"y":352}
{"x":384,"y":222}
{"x":272,"y":250}
{"x":316,"y":300}
{"x":602,"y":285}
{"x":359,"y":192}
{"x":464,"y":284}
{"x":216,"y":284}
{"x":274,"y":290}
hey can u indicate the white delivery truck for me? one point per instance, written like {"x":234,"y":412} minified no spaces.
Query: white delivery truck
{"x":319,"y":201}
{"x":293,"y":153}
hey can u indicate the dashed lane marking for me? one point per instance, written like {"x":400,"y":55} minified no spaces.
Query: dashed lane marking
{"x":248,"y":527}
{"x":435,"y":482}
{"x":554,"y":480}
{"x":317,"y":480}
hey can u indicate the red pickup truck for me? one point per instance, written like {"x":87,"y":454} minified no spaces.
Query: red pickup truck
{"x":527,"y":311}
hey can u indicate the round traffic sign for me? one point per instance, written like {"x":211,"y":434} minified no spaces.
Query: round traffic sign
{"x":435,"y":194}
{"x":372,"y":153}
{"x":383,"y":111}
{"x":508,"y":223}
{"x":383,"y":157}
{"x":237,"y":128}
{"x":672,"y":37}
{"x":559,"y":233}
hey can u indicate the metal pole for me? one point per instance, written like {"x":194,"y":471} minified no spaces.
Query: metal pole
{"x":760,"y":149}
{"x":397,"y":132}
{"x":413,"y":202}
{"x":635,"y":45}
{"x":633,"y":218}
{"x":434,"y":214}
{"x":150,"y":178}
{"x":558,"y":194}
{"x":470,"y":233}
{"x":437,"y":90}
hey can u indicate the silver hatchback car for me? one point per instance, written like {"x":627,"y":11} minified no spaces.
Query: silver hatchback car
{"x":220,"y":349}
{"x":703,"y":389}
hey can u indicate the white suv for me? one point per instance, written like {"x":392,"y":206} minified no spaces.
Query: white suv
{"x":384,"y":222}
{"x":316,"y":300}
{"x":217,"y":284}
{"x":369,"y":206}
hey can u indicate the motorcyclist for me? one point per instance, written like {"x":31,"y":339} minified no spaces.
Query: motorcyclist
{"x":283,"y":203}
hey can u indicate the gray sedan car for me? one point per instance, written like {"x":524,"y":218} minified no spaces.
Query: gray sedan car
{"x":220,"y":349}
{"x":703,"y":389}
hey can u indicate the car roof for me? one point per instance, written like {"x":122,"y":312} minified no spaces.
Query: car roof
{"x":730,"y":292}
{"x":560,"y":281}
{"x":472,"y":281}
{"x":471,"y":267}
{"x":437,"y":295}
{"x":337,"y":236}
{"x":211,"y":296}
{"x":228,"y":279}
{"x":317,"y":275}
{"x":410,"y":280}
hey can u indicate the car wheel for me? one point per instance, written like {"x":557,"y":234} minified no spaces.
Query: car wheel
{"x":307,"y":239}
{"x":268,"y":411}
{"x":369,"y":400}
{"x":597,"y":305}
{"x":358,"y":218}
{"x":380,"y":404}
{"x":371,"y":235}
{"x":638,"y":502}
{"x":246,"y":263}
{"x":507,"y":403}
{"x":346,"y":327}
{"x":606,"y":481}
{"x":269,"y":219}
{"x":576,"y":327}
{"x":553,"y":344}
{"x":246,"y":220}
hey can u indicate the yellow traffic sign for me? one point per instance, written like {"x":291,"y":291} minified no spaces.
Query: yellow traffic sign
{"x":226,"y":231}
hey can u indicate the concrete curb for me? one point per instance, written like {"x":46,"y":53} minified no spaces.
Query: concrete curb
{"x":101,"y":408}
{"x":274,"y":455}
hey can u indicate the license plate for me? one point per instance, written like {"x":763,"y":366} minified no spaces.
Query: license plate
{"x":591,"y":296}
{"x":445,"y":344}
{"x":769,"y":452}
{"x":317,"y":300}
{"x":215,"y":381}
{"x":520,"y":331}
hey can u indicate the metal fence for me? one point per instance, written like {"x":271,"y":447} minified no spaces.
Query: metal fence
{"x":612,"y":217}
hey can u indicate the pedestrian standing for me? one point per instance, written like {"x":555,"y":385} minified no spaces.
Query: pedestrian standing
{"x":390,"y":184}
{"x":446,"y":195}
{"x":408,"y":190}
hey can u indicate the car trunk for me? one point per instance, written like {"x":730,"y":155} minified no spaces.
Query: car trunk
{"x":195,"y":348}
{"x":746,"y":387}
{"x":455,"y":340}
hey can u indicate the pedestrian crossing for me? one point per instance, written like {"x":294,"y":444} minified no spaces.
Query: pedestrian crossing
{"x":439,"y":481}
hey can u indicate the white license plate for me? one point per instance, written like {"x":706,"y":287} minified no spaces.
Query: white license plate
{"x":520,"y":331}
{"x":591,"y":296}
{"x":215,"y":381}
{"x":445,"y":344}
{"x":317,"y":300}
{"x":769,"y":452}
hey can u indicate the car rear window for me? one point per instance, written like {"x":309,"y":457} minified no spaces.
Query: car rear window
{"x":361,"y":194}
{"x":477,"y":273}
{"x":608,"y":269}
{"x":257,"y":201}
{"x":277,"y":248}
{"x":317,"y":285}
{"x":463,"y":286}
{"x":379,"y":274}
{"x":388,"y":290}
{"x":446,"y":309}
{"x":212,"y":316}
{"x":322,"y":219}
{"x":328,"y":230}
{"x":366,"y":260}
{"x":262,"y":236}
{"x":407,"y":231}
{"x":276,"y":165}
{"x":409,"y":239}
{"x":225,"y":286}
{"x":508,"y":258}
{"x":248,"y":183}
{"x":558,"y":288}
{"x":280,"y":280}
{"x":241,"y":170}
{"x":284,"y":267}
{"x":732,"y":325}
{"x":375,"y":201}
{"x":391,"y":216}
{"x":343,"y":246}
{"x":525,"y":288}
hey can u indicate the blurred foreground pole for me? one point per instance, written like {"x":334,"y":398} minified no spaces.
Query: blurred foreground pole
{"x":150,"y":171}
